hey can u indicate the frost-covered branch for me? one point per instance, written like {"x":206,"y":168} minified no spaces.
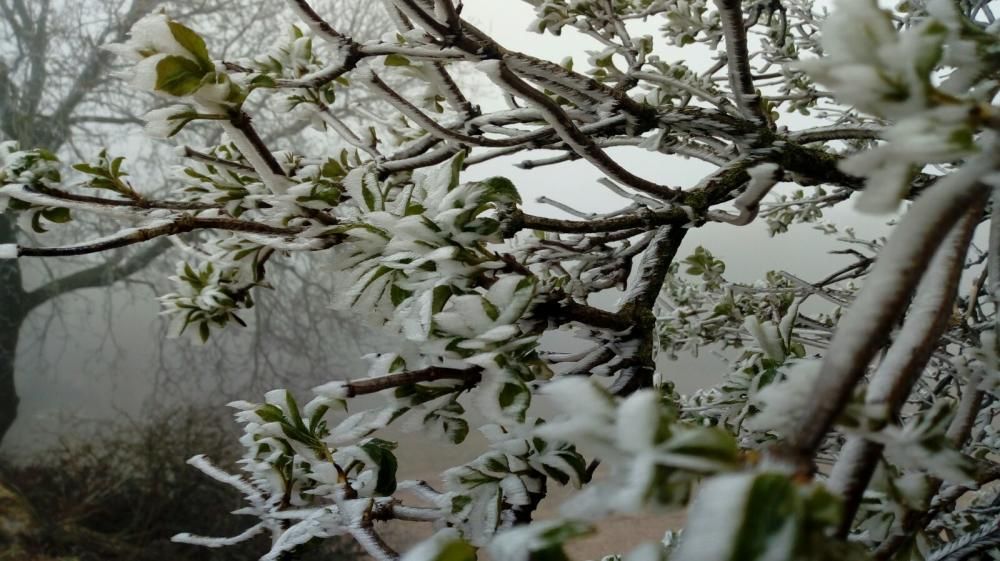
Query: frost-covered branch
{"x":738,"y":59}
{"x":762,"y":178}
{"x":904,"y":362}
{"x":155,"y":229}
{"x":570,"y":133}
{"x":886,"y":293}
{"x":354,"y":388}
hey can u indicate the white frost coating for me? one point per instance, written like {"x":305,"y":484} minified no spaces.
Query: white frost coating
{"x":787,"y":322}
{"x":151,"y":33}
{"x":924,"y":138}
{"x":762,"y":178}
{"x":8,"y":251}
{"x":514,"y":491}
{"x":314,"y":25}
{"x":783,"y":404}
{"x":641,"y":285}
{"x":715,"y":519}
{"x":565,"y":130}
{"x":345,"y":132}
{"x":369,"y":541}
{"x":416,"y":514}
{"x":277,"y":183}
{"x":124,"y":234}
{"x":865,"y":54}
{"x":429,"y":549}
{"x":518,"y":543}
{"x":22,"y":193}
{"x":218,"y":542}
{"x":333,"y":390}
{"x":353,"y":512}
{"x":646,"y":551}
{"x":851,"y":454}
{"x":638,"y":421}
{"x":285,"y":243}
{"x":296,"y":535}
{"x":201,"y":463}
{"x":564,"y":84}
{"x":579,"y":396}
{"x":166,"y":121}
{"x":768,"y":337}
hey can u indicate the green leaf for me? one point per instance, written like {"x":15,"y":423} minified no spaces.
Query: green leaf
{"x":380,"y":451}
{"x":710,"y":443}
{"x":396,"y":60}
{"x":369,"y":197}
{"x":769,"y":508}
{"x":88,"y":169}
{"x":116,"y":166}
{"x":459,"y":502}
{"x":491,"y":311}
{"x":440,"y":296}
{"x":317,"y":417}
{"x":457,"y":430}
{"x":398,"y":294}
{"x":502,"y":190}
{"x":58,"y":215}
{"x":333,"y":169}
{"x":293,"y":411}
{"x":456,"y":551}
{"x":178,"y":76}
{"x":566,"y":531}
{"x":193,"y":43}
{"x":514,"y":397}
{"x":36,"y":223}
{"x":270,"y":413}
{"x":47,"y":155}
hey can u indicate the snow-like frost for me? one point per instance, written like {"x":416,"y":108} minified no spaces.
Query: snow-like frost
{"x":638,"y":421}
{"x":8,"y":251}
{"x":276,"y":182}
{"x":715,"y":519}
{"x":429,"y":549}
{"x":333,"y":390}
{"x":785,"y":403}
{"x":646,"y":551}
{"x":166,"y":121}
{"x":204,"y":541}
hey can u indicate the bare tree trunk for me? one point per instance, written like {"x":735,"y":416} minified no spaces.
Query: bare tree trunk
{"x":12,"y":314}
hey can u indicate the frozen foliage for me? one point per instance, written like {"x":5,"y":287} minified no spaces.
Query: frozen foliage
{"x":890,"y":73}
{"x":469,"y":283}
{"x":783,"y":402}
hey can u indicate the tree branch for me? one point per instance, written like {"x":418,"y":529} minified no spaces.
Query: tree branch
{"x":104,"y":274}
{"x":738,"y":59}
{"x":582,"y":144}
{"x":365,"y":386}
{"x":172,"y":227}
